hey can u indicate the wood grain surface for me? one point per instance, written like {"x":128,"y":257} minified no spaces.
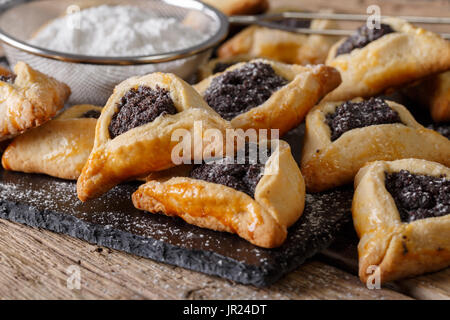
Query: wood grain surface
{"x":343,"y":255}
{"x":34,"y":263}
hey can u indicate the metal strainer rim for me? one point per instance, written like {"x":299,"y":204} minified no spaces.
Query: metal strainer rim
{"x":129,"y":60}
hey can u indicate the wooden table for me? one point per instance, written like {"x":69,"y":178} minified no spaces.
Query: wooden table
{"x":34,"y":263}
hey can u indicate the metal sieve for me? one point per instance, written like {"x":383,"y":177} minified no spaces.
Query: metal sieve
{"x":92,"y":78}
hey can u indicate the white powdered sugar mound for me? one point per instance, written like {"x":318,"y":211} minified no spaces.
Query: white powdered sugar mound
{"x":116,"y":31}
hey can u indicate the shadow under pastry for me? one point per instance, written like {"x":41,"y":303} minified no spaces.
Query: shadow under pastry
{"x":433,"y":93}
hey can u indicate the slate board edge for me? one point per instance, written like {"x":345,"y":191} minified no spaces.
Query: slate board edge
{"x":201,"y":261}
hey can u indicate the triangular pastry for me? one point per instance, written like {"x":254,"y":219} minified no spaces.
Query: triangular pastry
{"x":28,"y":98}
{"x":247,"y":199}
{"x":401,"y":212}
{"x":341,"y":137}
{"x":59,"y":148}
{"x":372,"y":61}
{"x":137,"y":129}
{"x":263,"y":94}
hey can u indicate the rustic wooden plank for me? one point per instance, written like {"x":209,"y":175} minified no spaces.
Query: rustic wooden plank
{"x":428,"y":287}
{"x":33,"y":265}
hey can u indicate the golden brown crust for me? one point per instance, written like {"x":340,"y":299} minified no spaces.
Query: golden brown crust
{"x":326,"y":164}
{"x":280,"y":45}
{"x":287,"y":107}
{"x":236,"y":7}
{"x":398,"y":249}
{"x":30,"y":101}
{"x":393,"y":60}
{"x":77,"y":111}
{"x":434,"y":93}
{"x":59,"y":148}
{"x":147,"y":148}
{"x":263,"y":220}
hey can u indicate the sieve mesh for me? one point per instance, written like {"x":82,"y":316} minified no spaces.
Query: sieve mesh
{"x":91,"y":82}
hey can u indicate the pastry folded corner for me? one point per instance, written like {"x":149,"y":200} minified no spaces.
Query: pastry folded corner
{"x":31,"y":100}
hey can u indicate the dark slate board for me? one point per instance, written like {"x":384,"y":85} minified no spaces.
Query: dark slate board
{"x":112,"y":221}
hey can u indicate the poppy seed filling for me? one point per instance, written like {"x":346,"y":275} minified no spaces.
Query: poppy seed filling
{"x":443,"y":129}
{"x":221,"y":67}
{"x":419,"y":196}
{"x":351,"y":115}
{"x":94,"y":114}
{"x":363,"y":37}
{"x":140,"y":106}
{"x":237,"y":91}
{"x":240,"y":176}
{"x":8,"y":78}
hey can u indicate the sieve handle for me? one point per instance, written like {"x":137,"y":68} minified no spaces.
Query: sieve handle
{"x":266,"y":20}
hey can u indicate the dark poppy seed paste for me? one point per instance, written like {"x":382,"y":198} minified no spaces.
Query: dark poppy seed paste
{"x":221,"y":67}
{"x":140,"y":106}
{"x":419,"y":196}
{"x":94,"y":114}
{"x":443,"y":129}
{"x":239,"y":176}
{"x":351,"y":115}
{"x":363,"y":37}
{"x":240,"y":90}
{"x":8,"y":78}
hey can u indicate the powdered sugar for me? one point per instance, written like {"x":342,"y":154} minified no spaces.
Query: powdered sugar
{"x":116,"y":31}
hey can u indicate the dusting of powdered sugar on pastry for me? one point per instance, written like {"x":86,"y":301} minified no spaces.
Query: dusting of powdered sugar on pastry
{"x":116,"y":31}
